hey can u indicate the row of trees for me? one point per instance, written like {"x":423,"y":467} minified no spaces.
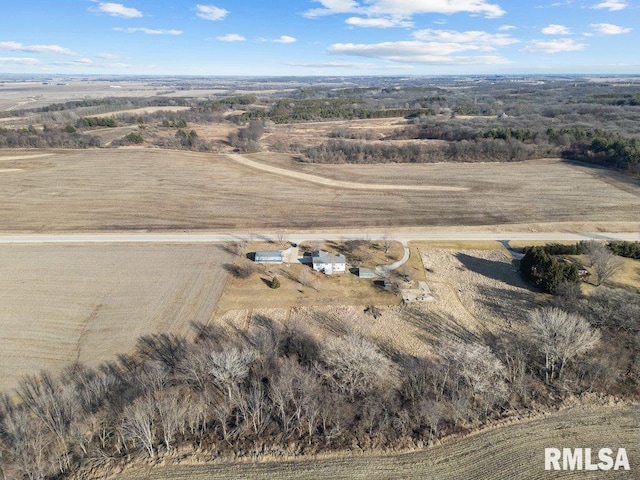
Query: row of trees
{"x":277,"y":389}
{"x":479,"y":150}
{"x":46,"y":138}
{"x":626,"y":249}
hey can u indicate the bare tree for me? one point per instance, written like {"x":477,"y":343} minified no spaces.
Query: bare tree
{"x":230,"y":367}
{"x":139,"y":424}
{"x":281,"y":236}
{"x":355,"y":366}
{"x":253,"y":406}
{"x":604,"y":262}
{"x":560,"y":337}
{"x":387,"y":242}
{"x":171,"y":415}
{"x":55,"y":406}
{"x":481,"y":370}
{"x":237,"y":247}
{"x":27,"y":445}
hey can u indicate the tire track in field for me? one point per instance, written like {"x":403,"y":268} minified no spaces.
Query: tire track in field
{"x":307,"y":177}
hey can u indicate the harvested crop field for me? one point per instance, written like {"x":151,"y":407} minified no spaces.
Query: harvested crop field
{"x":514,"y":451}
{"x":66,"y":303}
{"x":148,"y":189}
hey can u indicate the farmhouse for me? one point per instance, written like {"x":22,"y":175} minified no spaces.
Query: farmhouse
{"x":323,"y":262}
{"x":274,"y":256}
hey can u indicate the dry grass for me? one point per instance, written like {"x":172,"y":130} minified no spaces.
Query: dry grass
{"x":302,"y":286}
{"x":141,"y":111}
{"x":139,"y":189}
{"x":514,"y":451}
{"x":480,"y":296}
{"x":61,"y":304}
{"x":629,"y":276}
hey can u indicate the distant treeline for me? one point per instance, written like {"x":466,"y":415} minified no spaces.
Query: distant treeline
{"x":91,"y":122}
{"x":291,"y":110}
{"x":46,"y":138}
{"x":607,"y":149}
{"x":128,"y":102}
{"x":495,"y":144}
{"x":480,"y":150}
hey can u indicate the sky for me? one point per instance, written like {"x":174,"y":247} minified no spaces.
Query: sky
{"x":320,"y":37}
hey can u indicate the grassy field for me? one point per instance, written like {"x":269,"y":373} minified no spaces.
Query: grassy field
{"x":62,"y":304}
{"x":478,"y":295}
{"x":301,"y":286}
{"x":509,"y":452}
{"x":142,"y":189}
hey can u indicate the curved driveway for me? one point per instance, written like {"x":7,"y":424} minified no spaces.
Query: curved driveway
{"x":338,"y":183}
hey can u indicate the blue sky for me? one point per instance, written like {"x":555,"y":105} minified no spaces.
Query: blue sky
{"x":320,"y":37}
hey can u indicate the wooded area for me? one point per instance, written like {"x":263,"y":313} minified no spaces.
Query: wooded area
{"x":278,"y":390}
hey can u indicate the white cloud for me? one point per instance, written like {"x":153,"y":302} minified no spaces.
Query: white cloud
{"x":16,"y":46}
{"x":107,"y":56}
{"x":612,"y":5}
{"x":231,"y":37}
{"x":609,"y":29}
{"x":83,"y":61}
{"x":284,"y":39}
{"x":406,"y":8}
{"x":461,"y":41}
{"x":416,"y":52}
{"x":149,"y":31}
{"x":554,"y":29}
{"x":378,"y":22}
{"x":553,"y":46}
{"x":506,"y":28}
{"x":20,"y":60}
{"x":118,"y":10}
{"x":211,"y":12}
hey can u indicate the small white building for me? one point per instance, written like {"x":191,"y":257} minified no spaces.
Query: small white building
{"x":329,"y":264}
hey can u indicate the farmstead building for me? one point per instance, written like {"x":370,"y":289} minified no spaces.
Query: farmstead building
{"x":325,"y":263}
{"x":269,"y":257}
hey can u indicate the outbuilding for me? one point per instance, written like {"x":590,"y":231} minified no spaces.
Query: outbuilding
{"x":274,"y":256}
{"x":366,"y":273}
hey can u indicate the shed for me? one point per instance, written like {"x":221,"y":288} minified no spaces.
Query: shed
{"x":366,"y":273}
{"x":323,"y":262}
{"x":274,"y":256}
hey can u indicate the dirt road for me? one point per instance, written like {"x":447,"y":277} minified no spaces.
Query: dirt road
{"x":339,"y":183}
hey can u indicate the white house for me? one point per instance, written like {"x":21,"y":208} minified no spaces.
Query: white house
{"x":323,"y":262}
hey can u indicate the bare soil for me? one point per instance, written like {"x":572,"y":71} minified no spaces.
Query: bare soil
{"x":62,"y":304}
{"x":148,"y":189}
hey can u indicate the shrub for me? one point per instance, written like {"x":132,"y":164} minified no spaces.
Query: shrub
{"x":545,"y":271}
{"x":133,"y":138}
